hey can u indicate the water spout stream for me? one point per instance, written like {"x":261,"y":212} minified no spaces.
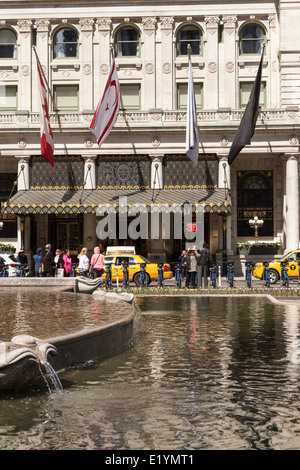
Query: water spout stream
{"x":51,"y":378}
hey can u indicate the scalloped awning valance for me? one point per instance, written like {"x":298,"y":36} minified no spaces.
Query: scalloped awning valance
{"x":103,"y":201}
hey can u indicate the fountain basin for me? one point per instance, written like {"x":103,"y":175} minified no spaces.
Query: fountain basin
{"x":21,"y":358}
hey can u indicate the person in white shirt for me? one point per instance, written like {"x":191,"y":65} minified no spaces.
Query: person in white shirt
{"x":84,"y":262}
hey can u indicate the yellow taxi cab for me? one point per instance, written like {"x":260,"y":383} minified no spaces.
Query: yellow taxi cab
{"x":291,"y":259}
{"x":134,"y":263}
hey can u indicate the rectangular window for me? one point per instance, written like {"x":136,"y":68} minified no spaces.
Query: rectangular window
{"x":8,"y":97}
{"x":66,"y":97}
{"x":182,"y":91}
{"x":130,"y":96}
{"x":245,"y":90}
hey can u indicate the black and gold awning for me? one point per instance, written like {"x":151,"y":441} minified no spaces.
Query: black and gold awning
{"x":116,"y":200}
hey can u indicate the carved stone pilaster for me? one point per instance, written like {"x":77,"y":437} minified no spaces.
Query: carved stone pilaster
{"x":166,"y":24}
{"x":24,"y":26}
{"x":149,"y":25}
{"x":42,"y":25}
{"x":86,"y":24}
{"x":104,"y":26}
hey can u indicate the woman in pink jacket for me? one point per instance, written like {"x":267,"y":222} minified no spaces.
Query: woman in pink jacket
{"x":67,"y":263}
{"x":97,"y":262}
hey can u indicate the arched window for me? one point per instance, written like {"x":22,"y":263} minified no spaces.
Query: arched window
{"x":65,"y":43}
{"x":8,"y":44}
{"x":252,"y":37}
{"x":189,"y":35}
{"x":127,"y":42}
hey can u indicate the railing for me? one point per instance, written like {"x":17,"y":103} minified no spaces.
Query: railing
{"x":152,"y":117}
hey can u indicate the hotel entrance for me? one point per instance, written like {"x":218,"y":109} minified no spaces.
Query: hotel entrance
{"x":67,"y":233}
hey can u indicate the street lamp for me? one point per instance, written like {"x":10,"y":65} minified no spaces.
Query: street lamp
{"x":1,"y":225}
{"x":256,"y":224}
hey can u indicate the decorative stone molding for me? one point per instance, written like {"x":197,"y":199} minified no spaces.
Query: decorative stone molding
{"x":166,"y":24}
{"x":24,"y":26}
{"x":25,"y":70}
{"x":294,"y":140}
{"x":104,"y":68}
{"x":212,"y":67}
{"x":272,"y":21}
{"x":149,"y":25}
{"x":229,"y":67}
{"x":104,"y":26}
{"x":224,"y":142}
{"x":156,"y":142}
{"x":88,"y":143}
{"x":167,"y":67}
{"x":149,"y":68}
{"x":22,"y":143}
{"x":212,"y":21}
{"x":86,"y":24}
{"x":229,"y":23}
{"x":42,"y":25}
{"x":87,"y":69}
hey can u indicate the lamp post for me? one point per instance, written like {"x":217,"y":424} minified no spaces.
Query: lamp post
{"x":256,"y":224}
{"x":1,"y":225}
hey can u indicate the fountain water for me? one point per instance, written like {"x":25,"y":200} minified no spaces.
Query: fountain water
{"x":50,"y":377}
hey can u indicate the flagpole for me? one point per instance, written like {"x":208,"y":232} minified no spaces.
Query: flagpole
{"x":192,"y":138}
{"x":44,"y":77}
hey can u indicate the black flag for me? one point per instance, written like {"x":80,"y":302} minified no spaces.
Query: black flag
{"x":247,"y":125}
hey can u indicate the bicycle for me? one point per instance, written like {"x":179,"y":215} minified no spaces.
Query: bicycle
{"x":213,"y":276}
{"x":125,"y":276}
{"x":178,"y":275}
{"x":266,"y":274}
{"x":107,"y":280}
{"x":249,"y":275}
{"x":160,"y":277}
{"x":143,"y":280}
{"x":230,"y":274}
{"x":285,"y":282}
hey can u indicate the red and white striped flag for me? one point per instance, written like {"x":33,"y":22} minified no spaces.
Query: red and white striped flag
{"x":46,"y":131}
{"x":108,"y":108}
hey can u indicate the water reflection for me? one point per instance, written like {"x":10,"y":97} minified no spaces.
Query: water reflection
{"x":46,"y":313}
{"x":203,"y":373}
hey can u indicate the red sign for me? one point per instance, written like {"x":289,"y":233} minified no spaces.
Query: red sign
{"x":192,"y":227}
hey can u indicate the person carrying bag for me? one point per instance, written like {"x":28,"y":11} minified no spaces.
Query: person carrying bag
{"x":97,"y":263}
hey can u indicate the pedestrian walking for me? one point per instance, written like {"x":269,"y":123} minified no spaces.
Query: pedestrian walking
{"x":203,"y":265}
{"x":182,"y":263}
{"x":48,"y":261}
{"x":84,"y":262}
{"x":38,"y":262}
{"x":67,"y":260}
{"x":97,"y":263}
{"x":191,"y":268}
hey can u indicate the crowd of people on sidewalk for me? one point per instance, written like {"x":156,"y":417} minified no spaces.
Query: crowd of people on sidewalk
{"x":195,"y":265}
{"x":59,"y":264}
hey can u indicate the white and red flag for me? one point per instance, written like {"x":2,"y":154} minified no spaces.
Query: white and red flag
{"x":46,"y":131}
{"x":108,"y":108}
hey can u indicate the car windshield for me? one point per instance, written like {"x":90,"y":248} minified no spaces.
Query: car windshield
{"x":145,"y":260}
{"x":13,"y":258}
{"x":292,"y":257}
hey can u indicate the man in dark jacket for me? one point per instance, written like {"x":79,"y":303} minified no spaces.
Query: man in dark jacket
{"x":203,"y":265}
{"x":48,"y":261}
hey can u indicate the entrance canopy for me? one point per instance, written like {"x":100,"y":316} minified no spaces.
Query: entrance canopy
{"x":118,"y":201}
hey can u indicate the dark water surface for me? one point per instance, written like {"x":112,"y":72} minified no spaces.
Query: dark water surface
{"x":202,"y":373}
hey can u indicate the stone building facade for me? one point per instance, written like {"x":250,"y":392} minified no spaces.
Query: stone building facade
{"x":142,"y":164}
